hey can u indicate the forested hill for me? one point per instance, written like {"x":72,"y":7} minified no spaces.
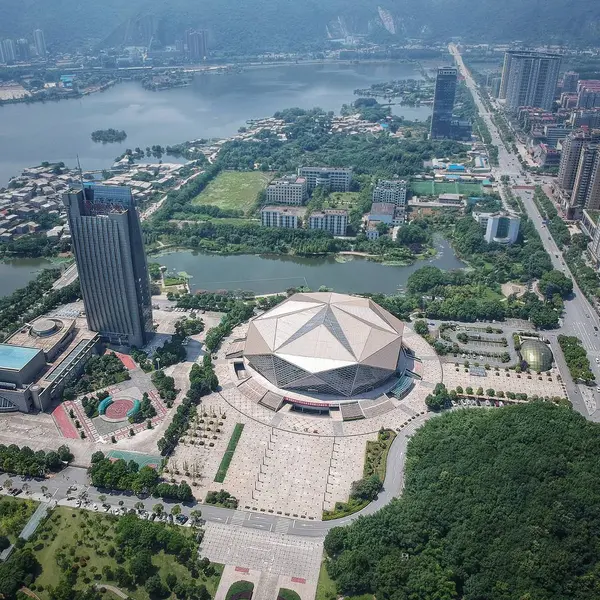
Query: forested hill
{"x":252,"y":25}
{"x":500,"y":504}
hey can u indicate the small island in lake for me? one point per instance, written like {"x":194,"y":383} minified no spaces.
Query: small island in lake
{"x":109,"y":136}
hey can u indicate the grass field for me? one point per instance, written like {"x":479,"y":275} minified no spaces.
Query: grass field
{"x":342,"y":200}
{"x":231,"y":446}
{"x":14,"y":514}
{"x":430,"y":188}
{"x":234,"y":190}
{"x":86,"y":537}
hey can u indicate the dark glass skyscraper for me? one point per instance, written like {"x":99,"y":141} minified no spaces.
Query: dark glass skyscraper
{"x":109,"y":251}
{"x":443,"y":103}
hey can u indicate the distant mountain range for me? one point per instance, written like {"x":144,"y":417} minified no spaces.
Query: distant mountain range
{"x":254,"y":25}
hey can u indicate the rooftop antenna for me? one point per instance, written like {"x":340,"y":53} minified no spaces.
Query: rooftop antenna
{"x":80,"y":171}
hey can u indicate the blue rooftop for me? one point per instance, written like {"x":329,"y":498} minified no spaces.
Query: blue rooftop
{"x":15,"y":357}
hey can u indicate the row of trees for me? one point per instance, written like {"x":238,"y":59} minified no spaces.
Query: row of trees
{"x":127,"y":476}
{"x":203,"y":380}
{"x":576,"y":358}
{"x":24,"y":461}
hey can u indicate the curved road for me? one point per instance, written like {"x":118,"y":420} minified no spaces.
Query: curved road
{"x":59,"y":488}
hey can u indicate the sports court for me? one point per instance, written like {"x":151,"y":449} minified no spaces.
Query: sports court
{"x":432,"y":188}
{"x":143,"y":460}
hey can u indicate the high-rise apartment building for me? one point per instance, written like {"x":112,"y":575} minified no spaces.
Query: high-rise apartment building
{"x":40,"y":43}
{"x":588,"y":93}
{"x":330,"y":219}
{"x":10,"y":50}
{"x":390,"y":190}
{"x":336,"y":179}
{"x":23,"y":50}
{"x":2,"y":57}
{"x":288,"y":190}
{"x":110,"y":257}
{"x":197,"y":44}
{"x":443,"y":102}
{"x":569,"y":160}
{"x":569,"y":81}
{"x":529,"y":79}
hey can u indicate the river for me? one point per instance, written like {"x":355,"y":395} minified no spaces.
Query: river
{"x":266,"y":274}
{"x":213,"y":106}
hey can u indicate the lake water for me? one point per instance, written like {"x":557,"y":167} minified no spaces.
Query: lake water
{"x":15,"y":274}
{"x":213,"y":106}
{"x":268,"y":274}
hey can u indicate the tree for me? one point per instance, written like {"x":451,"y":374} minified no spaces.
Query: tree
{"x":425,"y":279}
{"x":420,"y":327}
{"x":65,"y":453}
{"x":140,"y":566}
{"x":555,"y":282}
{"x":158,"y":508}
{"x":367,"y":488}
{"x":155,"y":587}
{"x":176,"y":510}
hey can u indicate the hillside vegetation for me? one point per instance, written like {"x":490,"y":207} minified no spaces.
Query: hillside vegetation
{"x":280,"y":24}
{"x":498,"y":505}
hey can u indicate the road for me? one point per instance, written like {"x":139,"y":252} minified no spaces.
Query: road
{"x":579,"y":318}
{"x":73,"y":482}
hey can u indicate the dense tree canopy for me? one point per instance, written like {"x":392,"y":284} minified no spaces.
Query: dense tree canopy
{"x":498,"y":505}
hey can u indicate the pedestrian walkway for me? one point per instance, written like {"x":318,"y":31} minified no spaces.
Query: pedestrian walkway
{"x":64,"y":424}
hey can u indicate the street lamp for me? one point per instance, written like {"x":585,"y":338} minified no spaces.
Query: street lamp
{"x":157,"y":359}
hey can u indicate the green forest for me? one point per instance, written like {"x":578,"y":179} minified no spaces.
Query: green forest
{"x":498,"y":505}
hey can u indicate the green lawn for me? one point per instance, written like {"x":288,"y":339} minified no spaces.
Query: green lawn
{"x":231,"y":446}
{"x":326,"y":589}
{"x":234,"y":190}
{"x":86,"y":537}
{"x":341,"y":200}
{"x":430,"y":188}
{"x":14,"y":514}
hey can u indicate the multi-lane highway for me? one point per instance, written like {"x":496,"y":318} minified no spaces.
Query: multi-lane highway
{"x":579,"y":318}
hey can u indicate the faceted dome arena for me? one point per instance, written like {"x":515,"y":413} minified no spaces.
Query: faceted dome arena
{"x":325,"y":343}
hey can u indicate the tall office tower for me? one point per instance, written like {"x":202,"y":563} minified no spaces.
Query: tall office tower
{"x":570,"y":79}
{"x":443,"y":102}
{"x":529,"y":79}
{"x":10,"y":51}
{"x":110,"y":257}
{"x":23,"y":51}
{"x":40,"y":43}
{"x":572,"y":146}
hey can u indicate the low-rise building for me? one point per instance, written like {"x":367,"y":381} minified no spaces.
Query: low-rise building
{"x":291,"y":190}
{"x":280,"y":216}
{"x":390,"y":190}
{"x":372,"y":232}
{"x":333,"y":220}
{"x":336,"y":179}
{"x":500,"y":227}
{"x":388,"y":213}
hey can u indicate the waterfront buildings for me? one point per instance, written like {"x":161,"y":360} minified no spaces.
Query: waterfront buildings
{"x":335,"y":179}
{"x":197,"y":45}
{"x":23,"y":50}
{"x":332,"y":220}
{"x":280,"y":216}
{"x":443,"y":102}
{"x":40,"y":43}
{"x":290,"y":189}
{"x":500,"y":227}
{"x":529,"y":79}
{"x":109,"y":251}
{"x":388,"y":213}
{"x":393,"y":191}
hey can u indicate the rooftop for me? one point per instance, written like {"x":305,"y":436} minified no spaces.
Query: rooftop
{"x":383,"y":208}
{"x":16,"y":357}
